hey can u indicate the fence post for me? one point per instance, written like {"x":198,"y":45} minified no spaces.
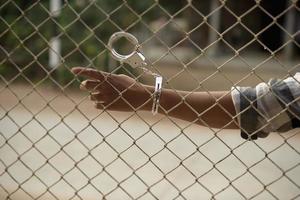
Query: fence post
{"x":214,"y":22}
{"x":55,"y":43}
{"x":289,"y":23}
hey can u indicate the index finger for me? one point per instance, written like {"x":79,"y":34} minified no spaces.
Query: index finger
{"x":90,"y":73}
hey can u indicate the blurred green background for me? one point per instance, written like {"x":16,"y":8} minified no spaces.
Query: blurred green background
{"x":84,"y":26}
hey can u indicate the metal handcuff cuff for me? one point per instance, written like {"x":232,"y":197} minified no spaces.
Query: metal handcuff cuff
{"x":136,"y":60}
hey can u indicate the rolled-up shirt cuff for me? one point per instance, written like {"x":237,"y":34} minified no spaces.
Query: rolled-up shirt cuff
{"x":245,"y":103}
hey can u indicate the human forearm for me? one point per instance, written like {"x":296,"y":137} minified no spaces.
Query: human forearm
{"x":214,"y":109}
{"x":122,"y":93}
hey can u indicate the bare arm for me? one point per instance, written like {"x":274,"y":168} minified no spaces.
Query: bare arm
{"x":120,"y":92}
{"x":200,"y":107}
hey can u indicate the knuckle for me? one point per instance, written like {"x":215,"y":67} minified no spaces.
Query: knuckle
{"x":109,"y":77}
{"x":96,"y":96}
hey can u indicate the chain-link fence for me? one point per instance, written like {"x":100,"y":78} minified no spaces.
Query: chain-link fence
{"x":55,"y":145}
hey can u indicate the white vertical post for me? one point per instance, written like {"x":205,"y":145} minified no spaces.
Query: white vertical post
{"x":214,"y":22}
{"x":55,"y":43}
{"x":289,"y":23}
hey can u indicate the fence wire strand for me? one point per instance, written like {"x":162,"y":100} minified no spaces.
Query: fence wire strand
{"x":54,"y":146}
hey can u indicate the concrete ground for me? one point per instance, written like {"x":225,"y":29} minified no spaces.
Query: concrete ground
{"x":55,"y":145}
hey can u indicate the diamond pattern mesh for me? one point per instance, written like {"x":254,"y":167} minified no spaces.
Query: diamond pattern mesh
{"x":55,"y":145}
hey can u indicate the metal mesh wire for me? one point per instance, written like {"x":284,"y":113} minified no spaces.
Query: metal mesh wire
{"x":54,"y":145}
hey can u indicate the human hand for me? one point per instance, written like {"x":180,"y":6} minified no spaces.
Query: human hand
{"x":114,"y":92}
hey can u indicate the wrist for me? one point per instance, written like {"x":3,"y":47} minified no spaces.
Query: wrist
{"x":147,"y":98}
{"x":168,"y":99}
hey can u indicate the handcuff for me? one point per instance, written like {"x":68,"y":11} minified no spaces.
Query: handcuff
{"x":136,"y":60}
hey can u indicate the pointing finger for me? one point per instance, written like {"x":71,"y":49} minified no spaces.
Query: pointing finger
{"x":90,"y":73}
